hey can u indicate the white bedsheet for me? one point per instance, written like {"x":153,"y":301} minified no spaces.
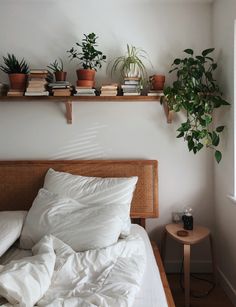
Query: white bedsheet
{"x":151,"y":293}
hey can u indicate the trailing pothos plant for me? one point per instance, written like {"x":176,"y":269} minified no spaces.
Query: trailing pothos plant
{"x":196,"y":92}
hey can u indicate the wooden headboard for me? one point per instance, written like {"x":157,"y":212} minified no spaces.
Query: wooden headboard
{"x":21,"y":180}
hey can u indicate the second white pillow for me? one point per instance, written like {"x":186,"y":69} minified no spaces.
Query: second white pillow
{"x":94,"y":191}
{"x":81,"y":227}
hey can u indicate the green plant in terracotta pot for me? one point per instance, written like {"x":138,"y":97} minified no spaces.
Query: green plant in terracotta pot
{"x":17,"y":71}
{"x":197,"y":93}
{"x":90,"y":58}
{"x":57,"y":67}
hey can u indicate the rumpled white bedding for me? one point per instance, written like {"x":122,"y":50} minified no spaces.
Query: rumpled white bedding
{"x":57,"y":276}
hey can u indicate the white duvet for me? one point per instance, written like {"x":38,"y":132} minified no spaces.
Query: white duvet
{"x":57,"y":276}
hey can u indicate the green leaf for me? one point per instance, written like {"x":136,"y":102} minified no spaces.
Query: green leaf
{"x":180,"y":135}
{"x":190,"y":144}
{"x":214,"y":66}
{"x":177,"y":61}
{"x":215,"y":139}
{"x":207,"y":51}
{"x":220,"y":128}
{"x":207,"y":118}
{"x":195,"y":150}
{"x":189,"y":51}
{"x":218,"y":156}
{"x":224,"y":103}
{"x":199,"y":146}
{"x":200,"y":58}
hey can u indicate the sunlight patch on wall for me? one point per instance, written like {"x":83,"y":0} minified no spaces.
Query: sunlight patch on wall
{"x":83,"y":146}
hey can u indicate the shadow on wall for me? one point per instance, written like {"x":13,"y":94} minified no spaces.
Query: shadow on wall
{"x":83,"y":146}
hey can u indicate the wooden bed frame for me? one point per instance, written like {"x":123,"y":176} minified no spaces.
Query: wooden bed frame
{"x":21,"y":180}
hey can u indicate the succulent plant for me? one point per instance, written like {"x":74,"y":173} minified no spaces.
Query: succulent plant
{"x":13,"y":66}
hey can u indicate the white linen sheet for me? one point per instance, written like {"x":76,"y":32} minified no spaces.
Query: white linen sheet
{"x":151,"y":293}
{"x":57,"y":276}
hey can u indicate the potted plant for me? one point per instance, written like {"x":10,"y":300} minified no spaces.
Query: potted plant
{"x":90,"y":58}
{"x":197,"y":93}
{"x":57,"y":68}
{"x":157,"y":82}
{"x":130,"y":65}
{"x":16,"y":70}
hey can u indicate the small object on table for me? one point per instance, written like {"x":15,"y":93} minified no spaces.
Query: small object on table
{"x":182,"y":233}
{"x":187,"y":219}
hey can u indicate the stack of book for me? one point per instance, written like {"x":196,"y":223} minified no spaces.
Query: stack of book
{"x":131,"y":86}
{"x":60,"y":88}
{"x":3,"y":89}
{"x":84,"y":91}
{"x":14,"y":93}
{"x":155,"y":93}
{"x":37,"y":83}
{"x":109,"y":89}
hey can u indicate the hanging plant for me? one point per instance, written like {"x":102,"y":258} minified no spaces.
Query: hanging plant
{"x":196,"y":92}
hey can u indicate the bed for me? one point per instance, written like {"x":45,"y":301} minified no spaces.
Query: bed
{"x":21,"y":180}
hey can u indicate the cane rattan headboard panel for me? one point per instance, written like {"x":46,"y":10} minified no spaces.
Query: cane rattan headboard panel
{"x":21,"y":180}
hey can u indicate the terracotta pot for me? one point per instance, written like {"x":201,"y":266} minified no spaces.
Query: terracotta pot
{"x":157,"y":82}
{"x":18,"y":81}
{"x":85,"y":83}
{"x":86,"y":74}
{"x":60,"y":75}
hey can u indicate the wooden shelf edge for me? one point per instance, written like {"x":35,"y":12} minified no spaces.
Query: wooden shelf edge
{"x":82,"y":98}
{"x":68,"y":104}
{"x":168,"y":113}
{"x":68,"y":100}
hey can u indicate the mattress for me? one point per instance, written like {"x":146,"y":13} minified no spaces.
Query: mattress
{"x":151,"y":293}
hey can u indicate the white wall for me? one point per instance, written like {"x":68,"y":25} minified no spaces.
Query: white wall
{"x":224,"y":15}
{"x":41,"y":31}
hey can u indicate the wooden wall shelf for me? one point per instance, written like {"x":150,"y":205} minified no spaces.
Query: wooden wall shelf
{"x":69,"y":100}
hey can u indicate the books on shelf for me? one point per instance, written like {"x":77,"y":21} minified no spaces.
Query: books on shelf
{"x":44,"y":93}
{"x":132,"y":86}
{"x":3,"y":89}
{"x":62,"y":92}
{"x":85,"y":91}
{"x":15,"y":93}
{"x":109,"y":89}
{"x":155,"y":93}
{"x":60,"y":88}
{"x":37,"y":83}
{"x":38,"y":71}
{"x":132,"y":94}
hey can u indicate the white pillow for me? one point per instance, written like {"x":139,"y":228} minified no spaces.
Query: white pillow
{"x":81,"y":227}
{"x":93,"y":190}
{"x":11,"y":223}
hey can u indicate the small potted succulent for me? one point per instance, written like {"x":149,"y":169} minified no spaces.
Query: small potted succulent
{"x":90,"y":58}
{"x":17,"y":71}
{"x":57,"y":68}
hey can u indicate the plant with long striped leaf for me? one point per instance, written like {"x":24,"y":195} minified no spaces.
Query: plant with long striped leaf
{"x":131,"y":64}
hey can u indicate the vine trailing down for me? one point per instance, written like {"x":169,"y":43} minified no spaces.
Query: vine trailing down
{"x":196,"y":92}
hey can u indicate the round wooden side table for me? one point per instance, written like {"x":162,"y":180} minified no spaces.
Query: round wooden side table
{"x":194,"y":236}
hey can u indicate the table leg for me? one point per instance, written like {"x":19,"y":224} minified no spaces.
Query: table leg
{"x":213,"y":259}
{"x":187,"y":274}
{"x":163,"y":245}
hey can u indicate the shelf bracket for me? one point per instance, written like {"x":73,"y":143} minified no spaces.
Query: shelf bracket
{"x":68,"y":104}
{"x":169,"y":114}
